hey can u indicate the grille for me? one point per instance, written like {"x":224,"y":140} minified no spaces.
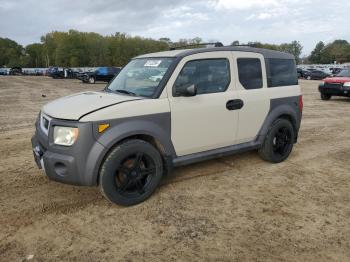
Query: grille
{"x":333,"y":85}
{"x":45,"y":123}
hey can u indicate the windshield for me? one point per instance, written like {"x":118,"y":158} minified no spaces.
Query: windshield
{"x":140,"y":77}
{"x":344,"y":73}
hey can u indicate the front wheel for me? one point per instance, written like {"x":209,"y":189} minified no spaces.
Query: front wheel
{"x":131,"y":172}
{"x":325,"y":96}
{"x":278,"y":143}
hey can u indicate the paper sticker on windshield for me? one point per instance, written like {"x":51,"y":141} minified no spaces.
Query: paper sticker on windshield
{"x":153,"y":63}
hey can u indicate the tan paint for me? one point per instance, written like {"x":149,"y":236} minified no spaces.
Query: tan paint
{"x":199,"y":123}
{"x":74,"y":106}
{"x":202,"y":122}
{"x":130,"y":109}
{"x":256,"y":102}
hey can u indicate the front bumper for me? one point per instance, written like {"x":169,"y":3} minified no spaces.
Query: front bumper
{"x":334,"y":89}
{"x":77,"y":164}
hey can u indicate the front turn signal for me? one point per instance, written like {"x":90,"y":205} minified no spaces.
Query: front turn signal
{"x":102,"y":127}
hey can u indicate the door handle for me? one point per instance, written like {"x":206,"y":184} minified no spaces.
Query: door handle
{"x":234,"y":104}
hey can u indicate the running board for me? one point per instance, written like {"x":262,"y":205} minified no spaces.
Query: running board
{"x":215,"y":153}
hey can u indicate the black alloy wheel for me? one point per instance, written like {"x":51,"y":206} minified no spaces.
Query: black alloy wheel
{"x":278,"y":142}
{"x":282,"y":141}
{"x":134,"y":174}
{"x":131,"y":172}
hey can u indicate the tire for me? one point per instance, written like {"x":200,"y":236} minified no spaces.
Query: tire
{"x":325,"y":96}
{"x":279,"y":141}
{"x":91,"y":80}
{"x":131,"y":173}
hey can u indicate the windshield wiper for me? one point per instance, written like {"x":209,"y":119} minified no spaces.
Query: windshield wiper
{"x":125,"y":92}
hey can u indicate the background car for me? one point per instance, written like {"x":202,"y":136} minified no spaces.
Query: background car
{"x":303,"y":73}
{"x":315,"y":75}
{"x":3,"y":71}
{"x":104,"y":74}
{"x":57,"y":72}
{"x":336,"y":71}
{"x":338,"y":85}
{"x":300,"y":72}
{"x":16,"y":71}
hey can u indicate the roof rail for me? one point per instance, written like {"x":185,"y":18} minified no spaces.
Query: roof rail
{"x":217,"y":44}
{"x":247,"y":45}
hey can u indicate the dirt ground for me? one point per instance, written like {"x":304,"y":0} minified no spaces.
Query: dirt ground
{"x":237,"y":208}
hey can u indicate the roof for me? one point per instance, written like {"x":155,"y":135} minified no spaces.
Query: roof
{"x":172,"y":53}
{"x":185,"y":52}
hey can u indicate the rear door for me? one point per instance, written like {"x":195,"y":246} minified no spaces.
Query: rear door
{"x":251,"y":82}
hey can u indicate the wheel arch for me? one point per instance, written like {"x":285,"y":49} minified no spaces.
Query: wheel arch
{"x":153,"y":132}
{"x":282,"y":111}
{"x":290,"y":118}
{"x":167,"y":159}
{"x":147,"y":138}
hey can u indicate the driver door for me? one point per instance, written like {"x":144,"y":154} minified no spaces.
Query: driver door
{"x":207,"y":120}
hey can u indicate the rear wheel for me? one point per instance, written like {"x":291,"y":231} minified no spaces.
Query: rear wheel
{"x":325,"y":96}
{"x":278,"y":142}
{"x":131,"y":172}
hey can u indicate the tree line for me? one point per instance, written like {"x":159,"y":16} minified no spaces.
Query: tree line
{"x":293,"y":48}
{"x":78,"y":49}
{"x":337,"y":51}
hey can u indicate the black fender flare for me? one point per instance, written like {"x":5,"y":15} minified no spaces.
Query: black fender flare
{"x":156,"y":126}
{"x":137,"y":127}
{"x":288,"y":110}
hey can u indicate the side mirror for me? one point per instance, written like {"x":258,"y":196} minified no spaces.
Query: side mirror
{"x":187,"y":91}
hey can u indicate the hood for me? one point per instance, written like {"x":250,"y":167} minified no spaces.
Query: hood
{"x":337,"y":79}
{"x":73,"y":107}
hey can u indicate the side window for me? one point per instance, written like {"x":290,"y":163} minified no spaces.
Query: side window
{"x":208,"y":75}
{"x":281,"y":72}
{"x":250,"y":73}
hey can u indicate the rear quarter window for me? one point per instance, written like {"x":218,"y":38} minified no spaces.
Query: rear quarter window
{"x":250,"y":73}
{"x":281,"y":72}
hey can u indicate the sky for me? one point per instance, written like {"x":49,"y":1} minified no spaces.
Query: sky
{"x":267,"y":21}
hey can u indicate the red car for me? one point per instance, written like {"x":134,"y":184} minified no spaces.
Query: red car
{"x":336,"y":86}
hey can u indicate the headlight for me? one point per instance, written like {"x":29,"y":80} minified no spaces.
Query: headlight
{"x":347,"y":84}
{"x":65,"y":136}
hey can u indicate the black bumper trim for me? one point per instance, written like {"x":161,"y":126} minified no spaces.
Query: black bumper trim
{"x":77,"y":164}
{"x":336,"y":91}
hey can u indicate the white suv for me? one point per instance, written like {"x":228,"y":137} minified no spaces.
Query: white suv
{"x":169,"y":109}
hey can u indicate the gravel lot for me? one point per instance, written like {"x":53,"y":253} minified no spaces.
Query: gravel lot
{"x":237,"y":208}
